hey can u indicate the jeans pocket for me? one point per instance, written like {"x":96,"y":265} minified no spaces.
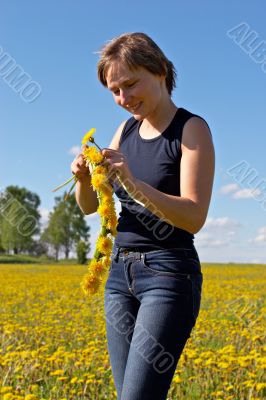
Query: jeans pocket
{"x":167,"y":266}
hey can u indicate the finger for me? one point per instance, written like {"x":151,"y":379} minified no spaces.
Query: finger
{"x":78,"y":159}
{"x":106,"y":162}
{"x":80,"y":162}
{"x":108,"y":152}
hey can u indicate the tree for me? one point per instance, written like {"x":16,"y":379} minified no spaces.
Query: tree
{"x":82,"y":250}
{"x":20,"y":218}
{"x":39,"y":248}
{"x":66,"y":226}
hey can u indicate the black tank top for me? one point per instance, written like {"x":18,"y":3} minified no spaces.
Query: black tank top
{"x":156,"y":162}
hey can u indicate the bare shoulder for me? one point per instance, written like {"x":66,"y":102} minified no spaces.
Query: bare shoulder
{"x":197,"y":167}
{"x":196,"y":133}
{"x":114,"y":145}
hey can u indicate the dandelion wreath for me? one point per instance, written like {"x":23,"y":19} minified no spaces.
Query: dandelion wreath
{"x":101,"y":260}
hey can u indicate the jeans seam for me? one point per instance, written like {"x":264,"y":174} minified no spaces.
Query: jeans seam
{"x":193,"y":298}
{"x":180,"y":274}
{"x":177,"y":259}
{"x":133,"y":278}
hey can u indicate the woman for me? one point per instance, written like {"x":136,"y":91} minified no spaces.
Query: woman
{"x":163,"y":161}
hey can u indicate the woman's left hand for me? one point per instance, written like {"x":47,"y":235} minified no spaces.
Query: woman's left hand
{"x":117,"y":165}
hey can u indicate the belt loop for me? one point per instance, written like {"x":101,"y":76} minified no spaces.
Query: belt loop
{"x":116,"y":253}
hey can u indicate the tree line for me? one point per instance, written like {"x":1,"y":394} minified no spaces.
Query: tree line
{"x":21,"y":231}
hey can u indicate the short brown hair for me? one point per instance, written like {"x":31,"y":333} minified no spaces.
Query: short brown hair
{"x":136,"y":50}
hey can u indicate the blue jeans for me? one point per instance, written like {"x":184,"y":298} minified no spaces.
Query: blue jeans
{"x":152,"y":300}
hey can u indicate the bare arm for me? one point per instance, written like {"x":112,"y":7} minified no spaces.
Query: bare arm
{"x":86,"y":197}
{"x":189,"y":211}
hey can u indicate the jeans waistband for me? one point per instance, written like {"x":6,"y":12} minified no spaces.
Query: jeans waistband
{"x":182,"y":251}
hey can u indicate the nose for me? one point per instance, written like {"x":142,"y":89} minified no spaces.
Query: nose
{"x":124,"y":98}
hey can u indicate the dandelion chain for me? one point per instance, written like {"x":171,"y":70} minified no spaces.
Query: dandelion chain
{"x":101,"y":260}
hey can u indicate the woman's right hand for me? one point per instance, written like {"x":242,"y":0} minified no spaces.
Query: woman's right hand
{"x":78,"y":166}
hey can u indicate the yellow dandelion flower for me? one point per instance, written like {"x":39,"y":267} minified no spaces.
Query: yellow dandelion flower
{"x":249,"y":383}
{"x":110,"y":203}
{"x":219,"y":393}
{"x":62,"y":378}
{"x":107,"y":192}
{"x":107,"y":202}
{"x":260,"y":386}
{"x":177,"y":379}
{"x":104,"y":210}
{"x":100,"y":169}
{"x":93,"y":155}
{"x":105,"y":261}
{"x":104,"y":245}
{"x":57,"y":372}
{"x":111,"y":224}
{"x":230,"y":387}
{"x":223,"y":365}
{"x":5,"y":389}
{"x":96,"y":267}
{"x":98,"y":181}
{"x":8,"y":396}
{"x":91,"y":284}
{"x":88,"y":136}
{"x":31,"y":397}
{"x":243,"y":363}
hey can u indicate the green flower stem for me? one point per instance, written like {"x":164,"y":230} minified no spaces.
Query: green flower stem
{"x":93,"y":141}
{"x":72,"y":187}
{"x":74,"y":177}
{"x":63,"y":184}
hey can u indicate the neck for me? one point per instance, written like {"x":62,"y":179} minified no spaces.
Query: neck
{"x":160,"y":118}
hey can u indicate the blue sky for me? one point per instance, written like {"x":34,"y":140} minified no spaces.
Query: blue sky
{"x":219,"y":78}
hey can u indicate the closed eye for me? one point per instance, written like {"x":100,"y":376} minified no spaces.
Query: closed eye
{"x":131,"y":84}
{"x":116,"y":91}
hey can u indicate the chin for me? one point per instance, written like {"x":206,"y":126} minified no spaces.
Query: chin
{"x":138,"y":117}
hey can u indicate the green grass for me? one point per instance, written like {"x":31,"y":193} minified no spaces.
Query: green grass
{"x":26,"y":259}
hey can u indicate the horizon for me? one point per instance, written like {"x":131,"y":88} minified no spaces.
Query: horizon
{"x":219,"y":52}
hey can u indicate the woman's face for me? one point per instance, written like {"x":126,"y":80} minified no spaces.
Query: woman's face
{"x":138,"y":91}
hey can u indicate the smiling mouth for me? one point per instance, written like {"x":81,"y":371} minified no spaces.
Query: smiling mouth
{"x":133,"y":108}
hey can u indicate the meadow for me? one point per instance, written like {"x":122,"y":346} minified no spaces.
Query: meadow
{"x":53,"y":344}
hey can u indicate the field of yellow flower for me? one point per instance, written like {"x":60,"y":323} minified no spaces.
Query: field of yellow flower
{"x":53,"y":343}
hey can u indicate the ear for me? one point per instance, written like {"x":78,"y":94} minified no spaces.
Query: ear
{"x":165,"y":69}
{"x":162,"y":79}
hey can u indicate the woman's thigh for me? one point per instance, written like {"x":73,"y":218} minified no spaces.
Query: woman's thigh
{"x":170,"y":301}
{"x":161,"y":331}
{"x":148,"y":327}
{"x":121,"y":310}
